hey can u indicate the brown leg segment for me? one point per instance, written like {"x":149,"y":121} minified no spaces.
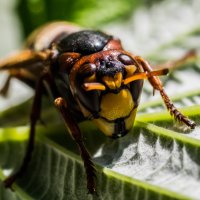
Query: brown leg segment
{"x":75,"y":132}
{"x":77,"y":136}
{"x":157,"y":85}
{"x":34,"y":117}
{"x":5,"y":88}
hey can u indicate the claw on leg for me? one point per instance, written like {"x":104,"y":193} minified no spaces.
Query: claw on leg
{"x":8,"y":182}
{"x":175,"y":112}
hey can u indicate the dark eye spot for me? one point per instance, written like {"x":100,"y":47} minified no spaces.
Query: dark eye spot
{"x":125,"y":59}
{"x":87,"y":70}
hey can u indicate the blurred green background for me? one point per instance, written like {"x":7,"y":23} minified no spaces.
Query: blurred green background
{"x":19,"y":17}
{"x":89,"y":13}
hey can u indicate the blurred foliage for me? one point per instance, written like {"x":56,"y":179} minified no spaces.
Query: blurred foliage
{"x":89,"y":13}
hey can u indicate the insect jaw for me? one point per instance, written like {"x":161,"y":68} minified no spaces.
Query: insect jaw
{"x":113,"y":83}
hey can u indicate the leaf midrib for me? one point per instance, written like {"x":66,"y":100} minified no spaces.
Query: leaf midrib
{"x":108,"y":172}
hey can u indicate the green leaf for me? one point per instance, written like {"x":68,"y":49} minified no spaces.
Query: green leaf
{"x":158,"y":159}
{"x":6,"y":194}
{"x":144,"y":164}
{"x":56,"y":173}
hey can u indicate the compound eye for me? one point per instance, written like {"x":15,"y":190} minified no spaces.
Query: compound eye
{"x":87,"y":70}
{"x":125,"y":59}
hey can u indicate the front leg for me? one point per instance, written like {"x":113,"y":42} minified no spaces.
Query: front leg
{"x":157,"y":85}
{"x":77,"y":136}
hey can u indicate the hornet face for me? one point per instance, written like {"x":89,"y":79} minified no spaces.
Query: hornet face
{"x":103,"y":95}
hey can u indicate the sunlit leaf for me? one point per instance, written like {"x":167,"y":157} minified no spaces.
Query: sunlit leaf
{"x":159,"y":158}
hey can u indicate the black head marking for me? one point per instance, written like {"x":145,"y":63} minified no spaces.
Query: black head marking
{"x":110,"y":68}
{"x":120,"y":128}
{"x":84,"y":42}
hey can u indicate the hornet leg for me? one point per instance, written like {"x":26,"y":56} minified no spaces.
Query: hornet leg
{"x":77,"y":136}
{"x":157,"y":85}
{"x":34,"y":117}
